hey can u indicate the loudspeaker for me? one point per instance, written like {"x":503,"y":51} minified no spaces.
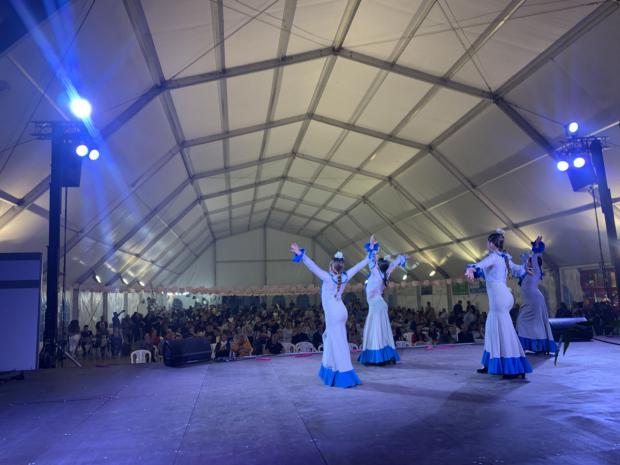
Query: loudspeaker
{"x":71,"y":166}
{"x":581,"y":178}
{"x":190,"y":350}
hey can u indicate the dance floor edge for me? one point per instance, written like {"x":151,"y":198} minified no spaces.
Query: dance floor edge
{"x":432,"y":408}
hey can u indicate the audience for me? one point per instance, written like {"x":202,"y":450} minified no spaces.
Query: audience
{"x":243,"y":330}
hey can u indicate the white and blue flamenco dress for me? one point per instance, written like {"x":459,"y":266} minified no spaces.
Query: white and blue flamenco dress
{"x":503,"y":354}
{"x":378,"y":346}
{"x":336,"y":367}
{"x":533,"y":321}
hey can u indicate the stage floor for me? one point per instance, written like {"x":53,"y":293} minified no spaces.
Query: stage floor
{"x":433,"y":408}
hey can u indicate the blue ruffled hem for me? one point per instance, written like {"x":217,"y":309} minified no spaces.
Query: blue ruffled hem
{"x":539,"y":345}
{"x":342,"y":379}
{"x":505,"y":365}
{"x":372,"y":357}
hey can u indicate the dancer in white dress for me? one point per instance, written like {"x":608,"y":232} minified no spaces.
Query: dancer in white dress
{"x":378,"y":346}
{"x":503,"y":354}
{"x":336,"y":367}
{"x":533,"y":321}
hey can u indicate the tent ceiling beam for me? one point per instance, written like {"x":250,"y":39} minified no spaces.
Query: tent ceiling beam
{"x":343,"y":28}
{"x":276,"y":84}
{"x":112,"y":250}
{"x":141,"y":30}
{"x":152,"y":242}
{"x":556,"y":48}
{"x":378,"y":80}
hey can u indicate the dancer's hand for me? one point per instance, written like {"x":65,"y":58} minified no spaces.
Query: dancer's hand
{"x":372,"y":240}
{"x":469,"y":274}
{"x":538,"y":240}
{"x":295,"y":248}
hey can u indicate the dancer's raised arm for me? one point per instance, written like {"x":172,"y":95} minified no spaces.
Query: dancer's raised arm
{"x":400,"y":260}
{"x":538,"y":247}
{"x":371,"y":247}
{"x":299,"y":255}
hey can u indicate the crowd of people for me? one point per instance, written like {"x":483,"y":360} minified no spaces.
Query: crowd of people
{"x":239,"y":331}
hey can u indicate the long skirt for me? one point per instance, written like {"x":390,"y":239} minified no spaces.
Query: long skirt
{"x":533,"y":323}
{"x":378,"y":347}
{"x":503,"y":354}
{"x":336,"y":367}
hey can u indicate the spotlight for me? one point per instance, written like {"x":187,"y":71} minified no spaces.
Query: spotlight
{"x":579,"y":161}
{"x":432,"y":273}
{"x":562,"y":165}
{"x":124,"y":280}
{"x":405,"y":277}
{"x":81,"y":150}
{"x":81,"y":108}
{"x":94,"y":154}
{"x":97,"y":278}
{"x":573,"y":127}
{"x":141,"y":283}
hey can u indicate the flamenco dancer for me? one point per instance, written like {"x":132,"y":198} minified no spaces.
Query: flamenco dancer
{"x":378,"y":346}
{"x":503,"y":354}
{"x":533,"y":321}
{"x":336,"y":368}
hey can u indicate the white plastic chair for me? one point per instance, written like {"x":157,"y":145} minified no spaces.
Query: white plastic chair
{"x":403,"y":344}
{"x":288,"y":347}
{"x":353,"y":346}
{"x":320,"y":349}
{"x":156,"y":354}
{"x":140,"y":356}
{"x":407,"y":336}
{"x":305,"y":347}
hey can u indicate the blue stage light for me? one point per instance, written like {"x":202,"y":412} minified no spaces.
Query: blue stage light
{"x":81,"y":108}
{"x":562,"y":165}
{"x":81,"y":150}
{"x":573,"y":127}
{"x":94,"y":154}
{"x":579,"y":161}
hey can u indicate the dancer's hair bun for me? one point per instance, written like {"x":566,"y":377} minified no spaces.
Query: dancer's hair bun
{"x":338,"y":255}
{"x":500,"y":231}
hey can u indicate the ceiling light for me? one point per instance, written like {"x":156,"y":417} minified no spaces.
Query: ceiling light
{"x":432,"y":273}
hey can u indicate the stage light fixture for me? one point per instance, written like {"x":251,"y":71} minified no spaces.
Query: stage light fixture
{"x":579,"y":161}
{"x":124,"y":281}
{"x":81,"y":150}
{"x":94,"y":154}
{"x":562,"y":165}
{"x":405,"y":277}
{"x":141,"y":283}
{"x":432,"y":273}
{"x":97,"y":278}
{"x":573,"y":127}
{"x":81,"y":108}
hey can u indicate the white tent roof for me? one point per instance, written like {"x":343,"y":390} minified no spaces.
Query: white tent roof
{"x":427,"y":122}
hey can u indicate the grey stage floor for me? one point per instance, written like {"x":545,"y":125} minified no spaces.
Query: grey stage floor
{"x":430,"y":409}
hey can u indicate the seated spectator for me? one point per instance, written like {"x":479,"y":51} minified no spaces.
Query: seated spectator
{"x":74,"y":336}
{"x":299,"y":336}
{"x":222,"y":348}
{"x":466,"y":335}
{"x":86,"y":340}
{"x":116,"y":342}
{"x":445,"y":337}
{"x":241,"y":347}
{"x":273,"y":346}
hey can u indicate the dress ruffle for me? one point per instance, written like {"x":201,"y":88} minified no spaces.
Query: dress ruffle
{"x":343,"y":379}
{"x":505,"y":365}
{"x":538,"y":345}
{"x":375,"y":357}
